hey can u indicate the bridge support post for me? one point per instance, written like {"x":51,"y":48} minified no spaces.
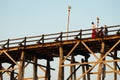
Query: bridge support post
{"x":47,"y":73}
{"x":87,"y":68}
{"x":1,"y":75}
{"x":72,"y":68}
{"x":115,"y":64}
{"x":83,"y":69}
{"x":35,"y":68}
{"x":21,"y":67}
{"x":61,"y":69}
{"x":12,"y":73}
{"x":101,"y":68}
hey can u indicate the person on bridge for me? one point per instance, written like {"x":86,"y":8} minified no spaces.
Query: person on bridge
{"x":94,"y":31}
{"x":105,"y":31}
{"x":101,"y":33}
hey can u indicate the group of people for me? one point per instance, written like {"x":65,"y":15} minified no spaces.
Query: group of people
{"x":103,"y":32}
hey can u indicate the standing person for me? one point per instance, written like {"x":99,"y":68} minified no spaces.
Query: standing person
{"x":105,"y":31}
{"x":94,"y":32}
{"x":101,"y":33}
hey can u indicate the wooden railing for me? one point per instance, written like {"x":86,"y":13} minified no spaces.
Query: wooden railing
{"x":49,"y":38}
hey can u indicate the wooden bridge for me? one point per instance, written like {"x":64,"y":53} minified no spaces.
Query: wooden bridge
{"x":99,"y":56}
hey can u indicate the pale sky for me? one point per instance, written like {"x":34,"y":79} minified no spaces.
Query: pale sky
{"x":20,"y":18}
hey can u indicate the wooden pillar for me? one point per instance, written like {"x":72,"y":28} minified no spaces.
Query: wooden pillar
{"x":12,"y":73}
{"x":72,"y":67}
{"x":83,"y":69}
{"x":35,"y":68}
{"x":100,"y":69}
{"x":1,"y":75}
{"x":87,"y":68}
{"x":115,"y":65}
{"x":103,"y":70}
{"x":47,"y":73}
{"x":21,"y":67}
{"x":61,"y":69}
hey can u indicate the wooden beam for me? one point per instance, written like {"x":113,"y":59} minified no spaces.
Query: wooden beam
{"x":42,"y":68}
{"x":74,"y":72}
{"x":112,"y":68}
{"x":100,"y":70}
{"x":83,"y":69}
{"x":61,"y":62}
{"x":105,"y":72}
{"x":71,"y":50}
{"x":115,"y":64}
{"x":5,"y":70}
{"x":39,"y":65}
{"x":12,"y":73}
{"x":80,"y":63}
{"x":47,"y":73}
{"x":89,"y":50}
{"x":87,"y":68}
{"x":35,"y":77}
{"x":1,"y":75}
{"x":1,"y":52}
{"x":21,"y":67}
{"x":72,"y":68}
{"x":99,"y":60}
{"x":10,"y":58}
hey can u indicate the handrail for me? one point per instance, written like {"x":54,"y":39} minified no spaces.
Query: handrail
{"x":48,"y":38}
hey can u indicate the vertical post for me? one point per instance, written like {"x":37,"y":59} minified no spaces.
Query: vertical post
{"x":35,"y":68}
{"x":8,"y":44}
{"x":43,"y":39}
{"x":47,"y":73}
{"x":74,"y":67}
{"x":87,"y":68}
{"x":25,"y":42}
{"x":97,"y":23}
{"x":100,"y":70}
{"x":71,"y":67}
{"x":61,"y":36}
{"x":115,"y":64}
{"x":1,"y":75}
{"x":83,"y":69}
{"x":103,"y":70}
{"x":21,"y":67}
{"x":69,"y":7}
{"x":12,"y":73}
{"x":80,"y":33}
{"x":61,"y":69}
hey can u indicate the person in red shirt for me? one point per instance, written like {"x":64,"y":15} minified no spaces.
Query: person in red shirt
{"x":94,"y":31}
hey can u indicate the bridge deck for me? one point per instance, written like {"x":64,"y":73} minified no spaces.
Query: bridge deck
{"x":50,"y":49}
